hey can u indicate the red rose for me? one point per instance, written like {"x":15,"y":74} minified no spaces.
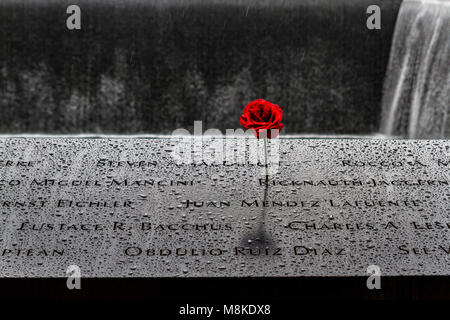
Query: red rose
{"x":262,"y":115}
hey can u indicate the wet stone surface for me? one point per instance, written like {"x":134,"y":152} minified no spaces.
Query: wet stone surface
{"x":129,"y":208}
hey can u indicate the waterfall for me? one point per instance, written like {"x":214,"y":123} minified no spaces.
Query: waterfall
{"x":416,"y":98}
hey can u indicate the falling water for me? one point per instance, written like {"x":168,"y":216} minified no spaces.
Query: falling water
{"x":416,"y":100}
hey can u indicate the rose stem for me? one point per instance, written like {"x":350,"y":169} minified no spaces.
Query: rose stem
{"x":265,"y":154}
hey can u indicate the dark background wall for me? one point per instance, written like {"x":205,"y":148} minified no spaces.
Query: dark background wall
{"x":154,"y":66}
